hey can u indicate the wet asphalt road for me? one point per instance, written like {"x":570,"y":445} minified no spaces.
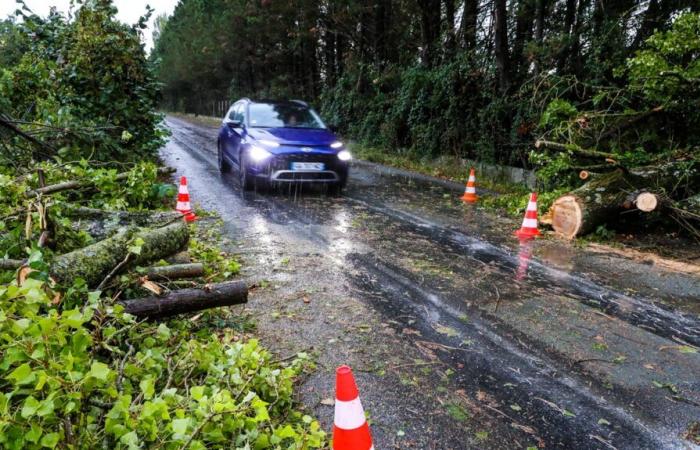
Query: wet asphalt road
{"x":460,"y":337}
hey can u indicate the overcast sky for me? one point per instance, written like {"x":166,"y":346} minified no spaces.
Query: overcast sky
{"x":129,"y":10}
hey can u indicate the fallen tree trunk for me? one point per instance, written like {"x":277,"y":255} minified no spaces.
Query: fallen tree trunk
{"x":94,"y":262}
{"x":10,"y":264}
{"x":188,"y":300}
{"x":76,"y":184}
{"x":604,"y":195}
{"x":572,"y":148}
{"x":644,"y":201}
{"x":140,"y":218}
{"x":100,"y":223}
{"x":597,"y":201}
{"x":175,"y":271}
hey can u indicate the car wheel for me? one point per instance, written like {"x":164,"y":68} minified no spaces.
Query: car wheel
{"x":224,"y":167}
{"x":247,"y":182}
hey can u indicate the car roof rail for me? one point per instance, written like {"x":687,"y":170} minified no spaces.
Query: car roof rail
{"x":244,"y":99}
{"x":300,"y":102}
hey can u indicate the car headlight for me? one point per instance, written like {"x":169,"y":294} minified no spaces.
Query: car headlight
{"x":267,"y":143}
{"x":336,"y":144}
{"x":258,"y":154}
{"x":344,"y":155}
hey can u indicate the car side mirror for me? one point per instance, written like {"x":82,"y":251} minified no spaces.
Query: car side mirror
{"x":235,"y":124}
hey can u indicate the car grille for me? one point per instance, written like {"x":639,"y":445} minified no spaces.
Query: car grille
{"x":282,"y":162}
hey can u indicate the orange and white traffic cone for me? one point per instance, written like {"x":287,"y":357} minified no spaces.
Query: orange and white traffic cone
{"x":183,"y":201}
{"x":470,"y":190}
{"x":529,"y":228}
{"x":350,"y":428}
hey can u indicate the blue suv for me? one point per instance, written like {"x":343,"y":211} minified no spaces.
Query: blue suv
{"x":280,"y":142}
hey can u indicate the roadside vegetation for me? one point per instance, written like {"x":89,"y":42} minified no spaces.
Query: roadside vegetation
{"x":79,"y":135}
{"x":574,"y":89}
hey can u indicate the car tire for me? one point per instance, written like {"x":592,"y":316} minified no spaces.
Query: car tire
{"x":224,"y":166}
{"x":247,"y":182}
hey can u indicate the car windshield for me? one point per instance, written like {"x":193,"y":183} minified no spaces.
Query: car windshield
{"x":283,"y":115}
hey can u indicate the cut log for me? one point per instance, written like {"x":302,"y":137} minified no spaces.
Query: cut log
{"x":94,"y":262}
{"x":188,"y":300}
{"x":603,"y":196}
{"x":140,"y":218}
{"x":642,"y":200}
{"x":100,"y":223}
{"x":584,"y":208}
{"x":10,"y":264}
{"x":646,"y":201}
{"x":76,"y":184}
{"x":176,"y":271}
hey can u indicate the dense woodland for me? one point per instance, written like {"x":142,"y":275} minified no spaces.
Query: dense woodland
{"x":470,"y":78}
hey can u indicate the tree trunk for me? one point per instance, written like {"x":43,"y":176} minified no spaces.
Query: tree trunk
{"x":188,"y":300}
{"x":11,"y":264}
{"x":76,"y":184}
{"x":605,"y":195}
{"x":468,"y":25}
{"x":500,"y":17}
{"x":450,"y":41}
{"x":430,"y":29}
{"x":175,"y":271}
{"x":94,"y":262}
{"x":523,"y":34}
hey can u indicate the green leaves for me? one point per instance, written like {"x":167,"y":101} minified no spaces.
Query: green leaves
{"x":99,"y":371}
{"x":235,"y":391}
{"x":22,"y":375}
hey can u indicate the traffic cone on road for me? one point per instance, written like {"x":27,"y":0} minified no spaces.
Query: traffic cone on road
{"x":470,"y":190}
{"x":529,"y":228}
{"x":183,"y":201}
{"x":350,"y":429}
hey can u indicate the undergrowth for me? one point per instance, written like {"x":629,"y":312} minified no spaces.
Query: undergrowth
{"x":94,"y":377}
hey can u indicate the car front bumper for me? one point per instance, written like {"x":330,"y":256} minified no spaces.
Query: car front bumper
{"x":279,"y":168}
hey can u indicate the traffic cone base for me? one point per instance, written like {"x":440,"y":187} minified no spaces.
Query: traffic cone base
{"x":350,"y":428}
{"x":470,"y":190}
{"x":529,"y":228}
{"x":469,"y":198}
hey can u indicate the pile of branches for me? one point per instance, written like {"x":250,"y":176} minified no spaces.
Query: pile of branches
{"x":670,"y":187}
{"x":635,"y":146}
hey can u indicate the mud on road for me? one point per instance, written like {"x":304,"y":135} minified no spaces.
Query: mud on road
{"x":459,"y":336}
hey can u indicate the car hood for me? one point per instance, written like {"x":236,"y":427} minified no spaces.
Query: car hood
{"x":294,"y":136}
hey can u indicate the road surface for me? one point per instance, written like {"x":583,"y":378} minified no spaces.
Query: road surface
{"x":460,"y":337}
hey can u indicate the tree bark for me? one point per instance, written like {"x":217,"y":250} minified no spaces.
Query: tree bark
{"x":94,"y":262}
{"x":76,"y":184}
{"x":605,"y":195}
{"x":524,"y":22}
{"x":500,"y":17}
{"x":10,"y":264}
{"x":468,"y":25}
{"x":430,"y":29}
{"x":188,"y":300}
{"x":580,"y":211}
{"x":175,"y":271}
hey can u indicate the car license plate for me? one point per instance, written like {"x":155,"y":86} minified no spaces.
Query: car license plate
{"x":307,"y":166}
